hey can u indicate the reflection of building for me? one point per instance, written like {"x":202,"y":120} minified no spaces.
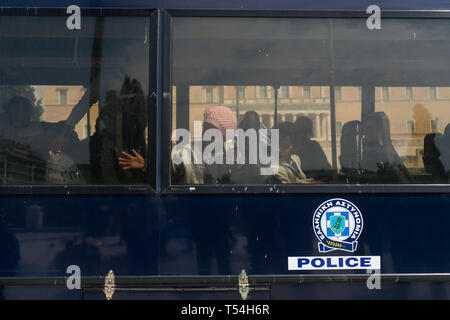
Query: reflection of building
{"x":58,"y":102}
{"x":413,"y":112}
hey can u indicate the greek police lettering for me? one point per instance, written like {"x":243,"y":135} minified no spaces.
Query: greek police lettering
{"x":337,"y":223}
{"x":193,"y":310}
{"x":334,"y":263}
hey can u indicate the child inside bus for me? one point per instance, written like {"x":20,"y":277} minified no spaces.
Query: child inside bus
{"x":290,"y":168}
{"x":191,"y":170}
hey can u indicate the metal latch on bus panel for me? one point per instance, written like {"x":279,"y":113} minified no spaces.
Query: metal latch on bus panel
{"x":244,"y":287}
{"x":109,"y":285}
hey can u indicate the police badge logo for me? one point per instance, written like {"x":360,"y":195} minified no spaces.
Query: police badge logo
{"x":337,"y":223}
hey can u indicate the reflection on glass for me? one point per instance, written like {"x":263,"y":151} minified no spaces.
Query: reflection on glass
{"x":391,"y":92}
{"x":416,"y":124}
{"x":311,"y":140}
{"x":71,"y":103}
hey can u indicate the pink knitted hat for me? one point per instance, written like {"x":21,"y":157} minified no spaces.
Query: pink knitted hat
{"x":222,"y":118}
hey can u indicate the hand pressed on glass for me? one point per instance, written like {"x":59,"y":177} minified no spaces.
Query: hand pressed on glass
{"x":132,"y":162}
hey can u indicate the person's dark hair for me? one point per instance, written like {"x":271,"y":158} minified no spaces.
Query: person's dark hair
{"x":286,"y":129}
{"x":250,"y":121}
{"x":447,"y":130}
{"x":304,"y":126}
{"x":16,"y":101}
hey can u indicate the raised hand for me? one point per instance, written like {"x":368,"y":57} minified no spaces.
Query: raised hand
{"x":131,"y":162}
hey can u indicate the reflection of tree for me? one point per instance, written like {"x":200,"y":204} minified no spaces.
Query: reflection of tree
{"x":120,"y":126}
{"x":8,"y":92}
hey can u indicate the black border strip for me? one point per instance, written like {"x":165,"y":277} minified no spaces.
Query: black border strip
{"x":307,"y":13}
{"x":307,"y":189}
{"x":75,"y":190}
{"x":99,"y":12}
{"x":167,"y":100}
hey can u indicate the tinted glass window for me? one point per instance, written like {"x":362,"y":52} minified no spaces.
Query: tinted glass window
{"x":250,"y":62}
{"x":388,"y":111}
{"x":71,"y":101}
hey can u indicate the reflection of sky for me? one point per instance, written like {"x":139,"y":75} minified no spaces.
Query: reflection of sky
{"x":404,"y":50}
{"x":132,"y":55}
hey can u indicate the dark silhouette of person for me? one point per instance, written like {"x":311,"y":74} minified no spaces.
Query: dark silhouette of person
{"x":38,"y":135}
{"x":350,"y":150}
{"x":17,"y":114}
{"x":210,"y":222}
{"x":35,"y":138}
{"x":443,"y":145}
{"x":15,"y":121}
{"x":82,"y":253}
{"x":141,"y":231}
{"x":379,"y":157}
{"x":431,"y":157}
{"x":114,"y":141}
{"x":314,"y":161}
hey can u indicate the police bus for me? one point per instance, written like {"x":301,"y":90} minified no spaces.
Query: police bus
{"x":224,"y":150}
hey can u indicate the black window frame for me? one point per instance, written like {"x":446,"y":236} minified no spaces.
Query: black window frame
{"x":89,"y":189}
{"x":168,"y":188}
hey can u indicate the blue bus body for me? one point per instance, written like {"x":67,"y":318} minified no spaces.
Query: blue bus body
{"x":154,"y":233}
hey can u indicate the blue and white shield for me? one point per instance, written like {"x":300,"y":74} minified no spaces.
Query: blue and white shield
{"x":337,"y":224}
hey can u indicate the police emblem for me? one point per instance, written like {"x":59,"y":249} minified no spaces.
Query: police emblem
{"x":337,"y":223}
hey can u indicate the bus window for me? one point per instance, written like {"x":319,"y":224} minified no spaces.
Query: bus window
{"x":71,"y":101}
{"x":387,"y":109}
{"x":401,"y":136}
